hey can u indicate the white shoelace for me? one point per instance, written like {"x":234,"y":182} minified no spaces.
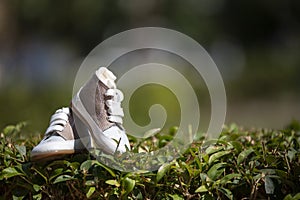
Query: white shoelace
{"x":115,"y":111}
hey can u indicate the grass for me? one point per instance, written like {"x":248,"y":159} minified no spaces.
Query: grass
{"x":242,"y":164}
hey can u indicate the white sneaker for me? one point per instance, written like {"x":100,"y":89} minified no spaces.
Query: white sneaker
{"x":61,"y":137}
{"x":98,"y":106}
{"x":97,"y":111}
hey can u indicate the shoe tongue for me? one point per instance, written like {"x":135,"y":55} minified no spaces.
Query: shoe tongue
{"x":106,"y":77}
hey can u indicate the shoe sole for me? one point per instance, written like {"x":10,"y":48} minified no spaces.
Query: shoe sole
{"x":99,"y":140}
{"x":71,"y":147}
{"x":51,"y":155}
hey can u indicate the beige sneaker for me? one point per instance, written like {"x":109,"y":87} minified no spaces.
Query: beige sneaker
{"x":98,"y":106}
{"x":60,"y":138}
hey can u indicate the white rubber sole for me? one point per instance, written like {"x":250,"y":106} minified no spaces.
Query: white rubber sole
{"x":54,"y":149}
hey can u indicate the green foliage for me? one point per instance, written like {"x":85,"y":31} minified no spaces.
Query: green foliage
{"x":241,"y":164}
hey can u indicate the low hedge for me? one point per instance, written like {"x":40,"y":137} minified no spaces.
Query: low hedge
{"x":241,"y":164}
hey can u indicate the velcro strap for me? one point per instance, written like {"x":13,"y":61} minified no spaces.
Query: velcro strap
{"x":111,"y":103}
{"x":116,"y":94}
{"x":54,"y":128}
{"x":58,"y":122}
{"x":114,"y":108}
{"x":60,"y":115}
{"x":110,"y":92}
{"x":64,"y":110}
{"x":115,"y":111}
{"x":116,"y":119}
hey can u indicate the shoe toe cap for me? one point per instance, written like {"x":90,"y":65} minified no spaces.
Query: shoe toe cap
{"x":53,"y":144}
{"x":116,"y":134}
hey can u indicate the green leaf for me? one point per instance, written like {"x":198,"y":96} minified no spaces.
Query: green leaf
{"x":113,"y":182}
{"x":243,"y":155}
{"x":9,"y":172}
{"x":173,"y":130}
{"x":268,"y":171}
{"x":90,"y":183}
{"x":297,"y":197}
{"x":228,"y":177}
{"x":86,"y":165}
{"x":9,"y":152}
{"x":207,"y":197}
{"x":40,"y":173}
{"x":36,"y":187}
{"x":128,"y":185}
{"x":25,"y":168}
{"x":269,"y":185}
{"x":188,"y":168}
{"x":162,"y":170}
{"x":59,"y":162}
{"x":176,"y":197}
{"x":37,"y":196}
{"x":271,"y":160}
{"x":233,"y":128}
{"x":213,"y":149}
{"x":282,"y":174}
{"x":18,"y":193}
{"x":288,"y":197}
{"x":139,"y":196}
{"x":217,"y":155}
{"x":236,"y":145}
{"x":17,"y":197}
{"x":21,"y":150}
{"x":291,"y":154}
{"x":13,"y":129}
{"x":8,"y":130}
{"x":202,"y":188}
{"x":74,"y":165}
{"x":63,"y":178}
{"x":90,"y":192}
{"x":216,"y":170}
{"x":56,"y":173}
{"x":226,"y":192}
{"x":203,"y":177}
{"x":205,"y":157}
{"x":110,"y":171}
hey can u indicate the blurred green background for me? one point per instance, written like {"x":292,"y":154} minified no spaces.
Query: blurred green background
{"x":254,"y":43}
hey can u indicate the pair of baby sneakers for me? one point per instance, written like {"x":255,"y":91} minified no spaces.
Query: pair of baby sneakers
{"x":94,"y":120}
